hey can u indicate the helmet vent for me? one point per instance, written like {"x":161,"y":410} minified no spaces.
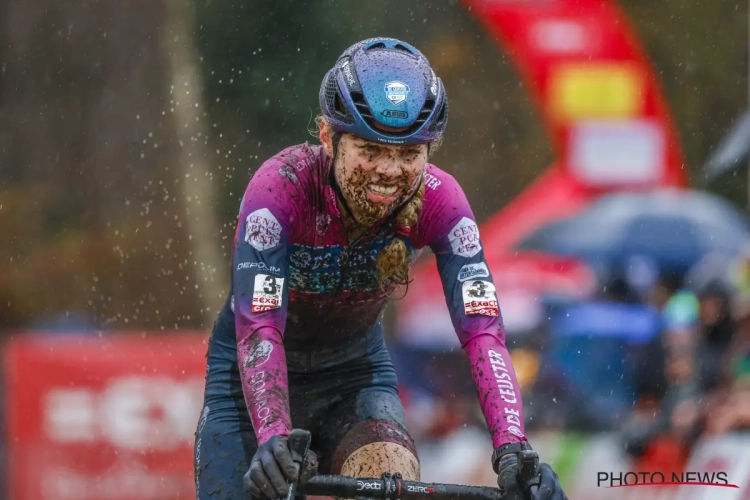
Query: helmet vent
{"x":361,"y":104}
{"x":379,"y":45}
{"x":334,"y":102}
{"x":441,"y":116}
{"x":424,"y":114}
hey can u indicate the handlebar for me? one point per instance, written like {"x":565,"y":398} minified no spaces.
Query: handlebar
{"x":392,"y":487}
{"x":387,"y":487}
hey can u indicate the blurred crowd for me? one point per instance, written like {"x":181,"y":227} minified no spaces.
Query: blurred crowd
{"x":659,"y":359}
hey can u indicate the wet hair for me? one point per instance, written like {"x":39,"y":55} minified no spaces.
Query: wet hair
{"x":394,"y":259}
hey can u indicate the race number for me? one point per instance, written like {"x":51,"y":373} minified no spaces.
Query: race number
{"x":479,"y":298}
{"x":267,"y":292}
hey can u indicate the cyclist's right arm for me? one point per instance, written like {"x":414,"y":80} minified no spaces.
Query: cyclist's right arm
{"x":260,"y":283}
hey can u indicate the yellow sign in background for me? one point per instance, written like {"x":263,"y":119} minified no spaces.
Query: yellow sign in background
{"x":595,"y":90}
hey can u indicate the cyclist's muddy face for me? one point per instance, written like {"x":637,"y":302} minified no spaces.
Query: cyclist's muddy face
{"x":376,"y":178}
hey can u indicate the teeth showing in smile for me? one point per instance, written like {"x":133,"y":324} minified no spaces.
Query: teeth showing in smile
{"x":384,"y":190}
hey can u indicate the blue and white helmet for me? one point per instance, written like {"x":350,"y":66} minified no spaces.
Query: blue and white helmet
{"x":384,"y":82}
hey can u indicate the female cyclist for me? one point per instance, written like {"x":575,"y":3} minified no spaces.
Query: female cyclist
{"x":326,"y":234}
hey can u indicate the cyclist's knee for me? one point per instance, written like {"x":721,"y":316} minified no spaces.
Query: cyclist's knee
{"x":372,"y":447}
{"x":372,"y":460}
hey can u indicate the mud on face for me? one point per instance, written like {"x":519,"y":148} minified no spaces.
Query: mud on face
{"x":368,"y":173}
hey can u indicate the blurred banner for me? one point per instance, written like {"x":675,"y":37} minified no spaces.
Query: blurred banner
{"x":114,"y":419}
{"x":111,"y":418}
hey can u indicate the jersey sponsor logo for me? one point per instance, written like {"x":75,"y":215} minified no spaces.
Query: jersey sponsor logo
{"x":267,"y":293}
{"x":331,"y":269}
{"x":470,"y":271}
{"x":464,"y":238}
{"x":259,"y":266}
{"x":507,"y":392}
{"x":479,"y":298}
{"x":396,"y":92}
{"x":260,"y":355}
{"x":260,"y":395}
{"x":262,"y":230}
{"x":431,"y":181}
{"x":515,"y":431}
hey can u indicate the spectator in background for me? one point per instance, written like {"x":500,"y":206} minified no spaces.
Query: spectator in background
{"x":663,"y":426}
{"x":716,"y":333}
{"x":732,"y":413}
{"x":664,"y":289}
{"x":677,"y":314}
{"x":681,"y":319}
{"x":740,"y":345}
{"x":729,"y":406}
{"x":588,"y":368}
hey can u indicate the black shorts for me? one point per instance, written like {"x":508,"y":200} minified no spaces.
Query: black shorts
{"x":344,"y":407}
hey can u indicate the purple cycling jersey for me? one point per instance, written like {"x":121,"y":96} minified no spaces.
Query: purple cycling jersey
{"x":305,"y":296}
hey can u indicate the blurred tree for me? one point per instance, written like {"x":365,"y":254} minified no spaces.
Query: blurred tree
{"x":700,"y":52}
{"x":91,"y":211}
{"x":92,"y":188}
{"x":196,"y":177}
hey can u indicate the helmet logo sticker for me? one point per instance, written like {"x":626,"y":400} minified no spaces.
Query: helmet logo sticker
{"x":396,"y":92}
{"x":394,"y":113}
{"x":348,"y":73}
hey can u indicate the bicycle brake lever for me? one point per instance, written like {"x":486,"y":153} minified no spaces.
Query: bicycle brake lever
{"x":528,"y":469}
{"x":298,"y":443}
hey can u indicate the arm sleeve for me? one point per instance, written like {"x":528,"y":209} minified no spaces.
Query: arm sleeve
{"x":259,"y":283}
{"x":453,"y":236}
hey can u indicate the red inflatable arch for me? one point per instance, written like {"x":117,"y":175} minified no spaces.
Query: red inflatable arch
{"x":610,"y":128}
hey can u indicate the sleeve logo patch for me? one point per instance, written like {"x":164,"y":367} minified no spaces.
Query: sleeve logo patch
{"x":470,"y":271}
{"x":260,"y":355}
{"x":479,"y":298}
{"x":464,"y":238}
{"x":262,"y":230}
{"x":267,"y":293}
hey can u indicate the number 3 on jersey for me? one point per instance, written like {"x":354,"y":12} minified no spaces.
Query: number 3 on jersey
{"x":267,"y":293}
{"x":479,"y":298}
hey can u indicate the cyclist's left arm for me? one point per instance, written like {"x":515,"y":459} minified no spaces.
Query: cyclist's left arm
{"x":453,"y":235}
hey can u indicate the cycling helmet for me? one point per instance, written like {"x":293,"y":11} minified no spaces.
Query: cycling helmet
{"x":388,"y":83}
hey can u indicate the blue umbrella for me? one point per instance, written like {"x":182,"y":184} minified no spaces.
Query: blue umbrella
{"x":674,"y":228}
